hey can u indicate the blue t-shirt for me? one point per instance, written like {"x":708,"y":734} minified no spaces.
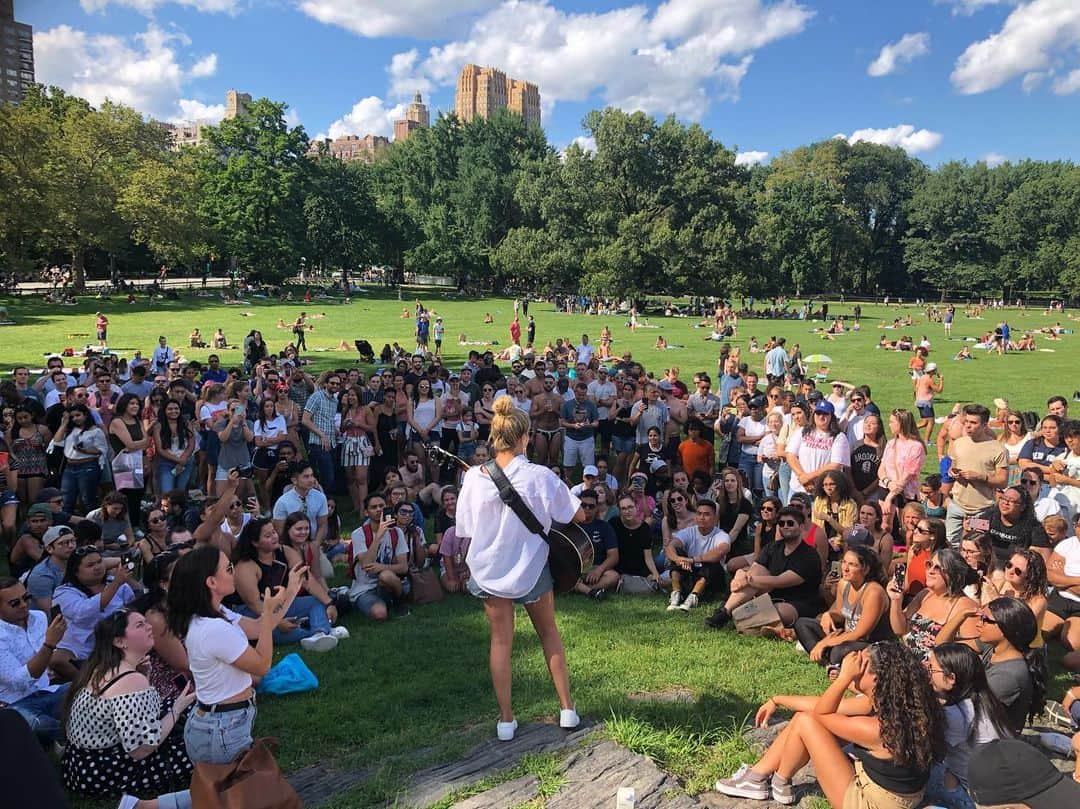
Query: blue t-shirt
{"x":603,"y":539}
{"x":576,"y":411}
{"x":314,"y":506}
{"x":1040,"y":452}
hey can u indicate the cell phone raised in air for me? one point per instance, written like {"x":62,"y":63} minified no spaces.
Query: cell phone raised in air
{"x":899,"y":574}
{"x":53,"y":612}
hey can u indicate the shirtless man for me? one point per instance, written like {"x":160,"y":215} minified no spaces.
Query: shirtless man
{"x":547,"y":432}
{"x":412,"y":475}
{"x":677,"y":414}
{"x":926,"y":385}
{"x":535,"y":386}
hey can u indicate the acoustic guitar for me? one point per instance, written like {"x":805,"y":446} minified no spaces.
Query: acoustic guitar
{"x":570,"y":550}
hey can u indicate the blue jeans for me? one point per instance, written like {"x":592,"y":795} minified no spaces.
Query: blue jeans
{"x":937,"y":794}
{"x":303,"y":607}
{"x":167,"y":481}
{"x":323,"y":461}
{"x":218,"y":738}
{"x":80,"y":482}
{"x":751,"y":467}
{"x":785,"y":482}
{"x":42,"y":711}
{"x":954,"y":522}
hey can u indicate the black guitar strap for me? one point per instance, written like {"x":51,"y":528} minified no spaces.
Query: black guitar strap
{"x":508,"y":494}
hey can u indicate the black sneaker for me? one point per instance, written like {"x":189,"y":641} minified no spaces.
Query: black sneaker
{"x":719,"y":619}
{"x":598,"y":594}
{"x":401,"y":609}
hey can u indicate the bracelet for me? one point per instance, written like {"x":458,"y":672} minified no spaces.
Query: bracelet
{"x":49,"y":646}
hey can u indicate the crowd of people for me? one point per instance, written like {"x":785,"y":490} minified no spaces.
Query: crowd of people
{"x":169,"y":522}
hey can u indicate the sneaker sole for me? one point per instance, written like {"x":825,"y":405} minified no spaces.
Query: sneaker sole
{"x":742,"y":792}
{"x":323,"y":644}
{"x":673,"y":607}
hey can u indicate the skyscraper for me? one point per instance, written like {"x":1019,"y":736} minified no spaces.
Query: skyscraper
{"x":16,"y":54}
{"x":416,"y":117}
{"x":483,"y":90}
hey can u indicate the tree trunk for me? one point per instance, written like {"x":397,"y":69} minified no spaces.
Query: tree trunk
{"x":78,"y":269}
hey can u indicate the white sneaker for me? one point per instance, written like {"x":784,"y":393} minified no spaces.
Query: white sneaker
{"x":690,"y":602}
{"x":506,"y":730}
{"x":319,"y":642}
{"x":569,"y":719}
{"x":673,"y":602}
{"x":340,"y":632}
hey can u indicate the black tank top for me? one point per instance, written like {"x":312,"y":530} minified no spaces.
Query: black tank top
{"x":273,"y":574}
{"x":134,"y":430}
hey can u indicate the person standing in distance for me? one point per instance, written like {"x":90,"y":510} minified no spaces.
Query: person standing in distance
{"x":509,"y":563}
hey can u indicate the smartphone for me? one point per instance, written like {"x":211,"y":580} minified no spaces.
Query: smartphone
{"x":834,"y":569}
{"x":53,"y":612}
{"x":180,"y":681}
{"x":978,"y":524}
{"x":239,"y":410}
{"x":303,"y":623}
{"x":899,"y":574}
{"x":245,"y":471}
{"x":388,"y":514}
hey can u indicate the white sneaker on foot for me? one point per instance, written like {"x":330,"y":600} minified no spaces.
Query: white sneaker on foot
{"x":319,"y":642}
{"x":742,"y":784}
{"x":506,"y":730}
{"x":569,"y":719}
{"x":673,"y":602}
{"x":690,"y":602}
{"x":340,"y":632}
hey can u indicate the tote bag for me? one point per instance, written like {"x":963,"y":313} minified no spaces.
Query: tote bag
{"x":253,"y":781}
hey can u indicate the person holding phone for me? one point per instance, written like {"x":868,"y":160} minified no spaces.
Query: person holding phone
{"x":378,"y":559}
{"x":234,"y":433}
{"x":222,"y":659}
{"x":980,"y":465}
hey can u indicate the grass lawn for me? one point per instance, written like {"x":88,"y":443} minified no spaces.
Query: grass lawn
{"x":415,"y":692}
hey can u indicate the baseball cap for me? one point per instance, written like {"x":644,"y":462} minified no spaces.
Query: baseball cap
{"x":757,"y":401}
{"x":825,"y":406}
{"x":39,"y":508}
{"x":814,"y":396}
{"x":657,"y":464}
{"x":1001,"y":404}
{"x":590,"y":471}
{"x":858,"y":535}
{"x":931,"y":367}
{"x":665,"y":385}
{"x":1008,"y":771}
{"x":47,"y":494}
{"x":55,"y":533}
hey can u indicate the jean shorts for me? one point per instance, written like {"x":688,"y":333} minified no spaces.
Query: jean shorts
{"x":543,"y":585}
{"x":218,"y":738}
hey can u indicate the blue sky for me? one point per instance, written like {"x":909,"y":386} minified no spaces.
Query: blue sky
{"x":944,"y":79}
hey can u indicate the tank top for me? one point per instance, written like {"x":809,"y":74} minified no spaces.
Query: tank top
{"x":273,"y":574}
{"x":134,"y":430}
{"x":922,"y":633}
{"x":899,"y":779}
{"x":853,"y":613}
{"x":424,"y":414}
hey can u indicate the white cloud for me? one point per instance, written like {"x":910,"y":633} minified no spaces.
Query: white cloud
{"x":147,"y":7}
{"x":1030,"y":39}
{"x":369,"y":116}
{"x":992,"y":159}
{"x":1068,"y":84}
{"x":905,"y":136}
{"x":190,"y":110}
{"x":969,"y":7}
{"x":144,"y":71}
{"x":379,"y":18}
{"x":750,"y":158}
{"x":586,"y":142}
{"x":895,"y":54}
{"x":1032,"y":81}
{"x":677,"y":59}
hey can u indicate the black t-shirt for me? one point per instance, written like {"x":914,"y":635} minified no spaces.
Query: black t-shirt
{"x":603,"y":539}
{"x":804,"y":561}
{"x":621,"y":427}
{"x":633,"y":544}
{"x":865,"y":460}
{"x":489,"y":376}
{"x":442,"y":521}
{"x":743,"y":542}
{"x":1025,"y":534}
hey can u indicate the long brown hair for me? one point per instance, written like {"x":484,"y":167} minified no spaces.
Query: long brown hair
{"x":105,"y":657}
{"x":911,"y":722}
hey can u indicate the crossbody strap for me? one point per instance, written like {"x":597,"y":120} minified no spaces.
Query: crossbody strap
{"x":509,"y":495}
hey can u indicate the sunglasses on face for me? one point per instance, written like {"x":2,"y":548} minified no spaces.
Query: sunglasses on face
{"x":156,"y":520}
{"x":787,"y":523}
{"x":1013,"y":421}
{"x":15,"y":603}
{"x":931,"y":565}
{"x":922,"y":529}
{"x":1020,"y":571}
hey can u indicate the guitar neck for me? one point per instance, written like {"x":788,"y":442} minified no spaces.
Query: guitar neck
{"x":436,"y":452}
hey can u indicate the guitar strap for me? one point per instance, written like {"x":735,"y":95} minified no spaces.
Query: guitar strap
{"x":509,"y":495}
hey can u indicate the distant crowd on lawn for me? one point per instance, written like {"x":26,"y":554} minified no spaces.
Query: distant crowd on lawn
{"x":141,"y":501}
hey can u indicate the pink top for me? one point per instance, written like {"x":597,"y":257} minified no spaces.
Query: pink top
{"x":903,"y":457}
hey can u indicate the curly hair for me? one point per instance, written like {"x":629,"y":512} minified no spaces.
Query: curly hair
{"x":1035,"y":580}
{"x":910,"y":718}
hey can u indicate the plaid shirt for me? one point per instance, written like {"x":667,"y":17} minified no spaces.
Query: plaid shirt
{"x":322,"y":407}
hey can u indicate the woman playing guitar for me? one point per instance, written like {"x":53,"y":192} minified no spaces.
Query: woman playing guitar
{"x":509,"y":563}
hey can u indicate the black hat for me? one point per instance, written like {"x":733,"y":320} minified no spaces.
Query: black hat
{"x":1012,"y":771}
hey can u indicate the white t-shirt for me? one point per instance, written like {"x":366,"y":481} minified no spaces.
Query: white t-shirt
{"x":752,"y":429}
{"x":506,"y":558}
{"x":585,"y":352}
{"x":602,"y":390}
{"x":275,"y":427}
{"x":209,"y":411}
{"x":815,"y":450}
{"x":213,"y":645}
{"x":697,"y":543}
{"x":1070,"y":550}
{"x":391,"y":544}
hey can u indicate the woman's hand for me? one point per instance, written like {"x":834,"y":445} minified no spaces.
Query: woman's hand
{"x":185,"y":699}
{"x":893,"y":591}
{"x":297,"y":577}
{"x":851,"y":667}
{"x":764,"y":713}
{"x":819,"y":650}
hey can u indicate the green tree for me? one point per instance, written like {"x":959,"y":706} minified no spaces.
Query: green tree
{"x":341,"y":215}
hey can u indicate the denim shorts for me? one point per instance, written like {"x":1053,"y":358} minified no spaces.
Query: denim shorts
{"x":8,"y":498}
{"x":366,"y":602}
{"x":218,"y":738}
{"x":543,"y":585}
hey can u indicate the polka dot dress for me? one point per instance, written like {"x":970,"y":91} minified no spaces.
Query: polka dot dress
{"x":100,"y":732}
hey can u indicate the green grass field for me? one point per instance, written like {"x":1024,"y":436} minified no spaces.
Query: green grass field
{"x":415,"y":691}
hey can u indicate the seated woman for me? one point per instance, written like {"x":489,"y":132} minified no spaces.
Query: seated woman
{"x":1016,"y":673}
{"x":219,"y":340}
{"x":263,"y":563}
{"x":85,"y":598}
{"x":973,"y":716}
{"x":858,"y":616}
{"x":978,"y":555}
{"x":895,"y":727}
{"x":964,"y":354}
{"x":196,"y":340}
{"x":834,"y":512}
{"x":121,"y":738}
{"x":1023,"y":577}
{"x":167,"y":663}
{"x":940,"y":613}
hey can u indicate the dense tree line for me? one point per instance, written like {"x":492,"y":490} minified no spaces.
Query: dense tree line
{"x":659,"y":206}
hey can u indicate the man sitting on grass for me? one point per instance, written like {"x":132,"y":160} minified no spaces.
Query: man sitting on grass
{"x":696,"y":557}
{"x":378,"y":558}
{"x":788,"y":570}
{"x":602,"y":577}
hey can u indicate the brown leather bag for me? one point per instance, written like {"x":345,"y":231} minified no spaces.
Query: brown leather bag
{"x":253,"y":781}
{"x":424,"y":583}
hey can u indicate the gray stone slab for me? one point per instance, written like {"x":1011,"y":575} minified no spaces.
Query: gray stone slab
{"x":510,"y":793}
{"x":317,"y":783}
{"x":489,"y":758}
{"x":594,"y":775}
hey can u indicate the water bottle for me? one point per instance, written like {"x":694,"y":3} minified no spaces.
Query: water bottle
{"x":626,"y":798}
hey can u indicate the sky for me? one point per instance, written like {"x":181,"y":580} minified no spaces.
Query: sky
{"x":991,"y":80}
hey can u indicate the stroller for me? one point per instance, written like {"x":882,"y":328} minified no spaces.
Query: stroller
{"x":367,"y":353}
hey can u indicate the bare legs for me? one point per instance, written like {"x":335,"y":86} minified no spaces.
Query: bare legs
{"x":804,"y":740}
{"x":500,"y":614}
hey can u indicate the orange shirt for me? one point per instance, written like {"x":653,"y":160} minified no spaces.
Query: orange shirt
{"x":696,"y":455}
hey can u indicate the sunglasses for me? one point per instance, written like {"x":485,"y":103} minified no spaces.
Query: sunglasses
{"x":156,"y":520}
{"x":85,"y":550}
{"x":787,"y":523}
{"x":1013,"y":421}
{"x":922,"y":530}
{"x":935,"y":566}
{"x":768,"y":508}
{"x":1020,"y":571}
{"x":15,"y":603}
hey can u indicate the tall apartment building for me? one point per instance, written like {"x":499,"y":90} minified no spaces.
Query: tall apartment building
{"x":483,"y":90}
{"x":16,"y":54}
{"x":416,"y":117}
{"x":236,"y":104}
